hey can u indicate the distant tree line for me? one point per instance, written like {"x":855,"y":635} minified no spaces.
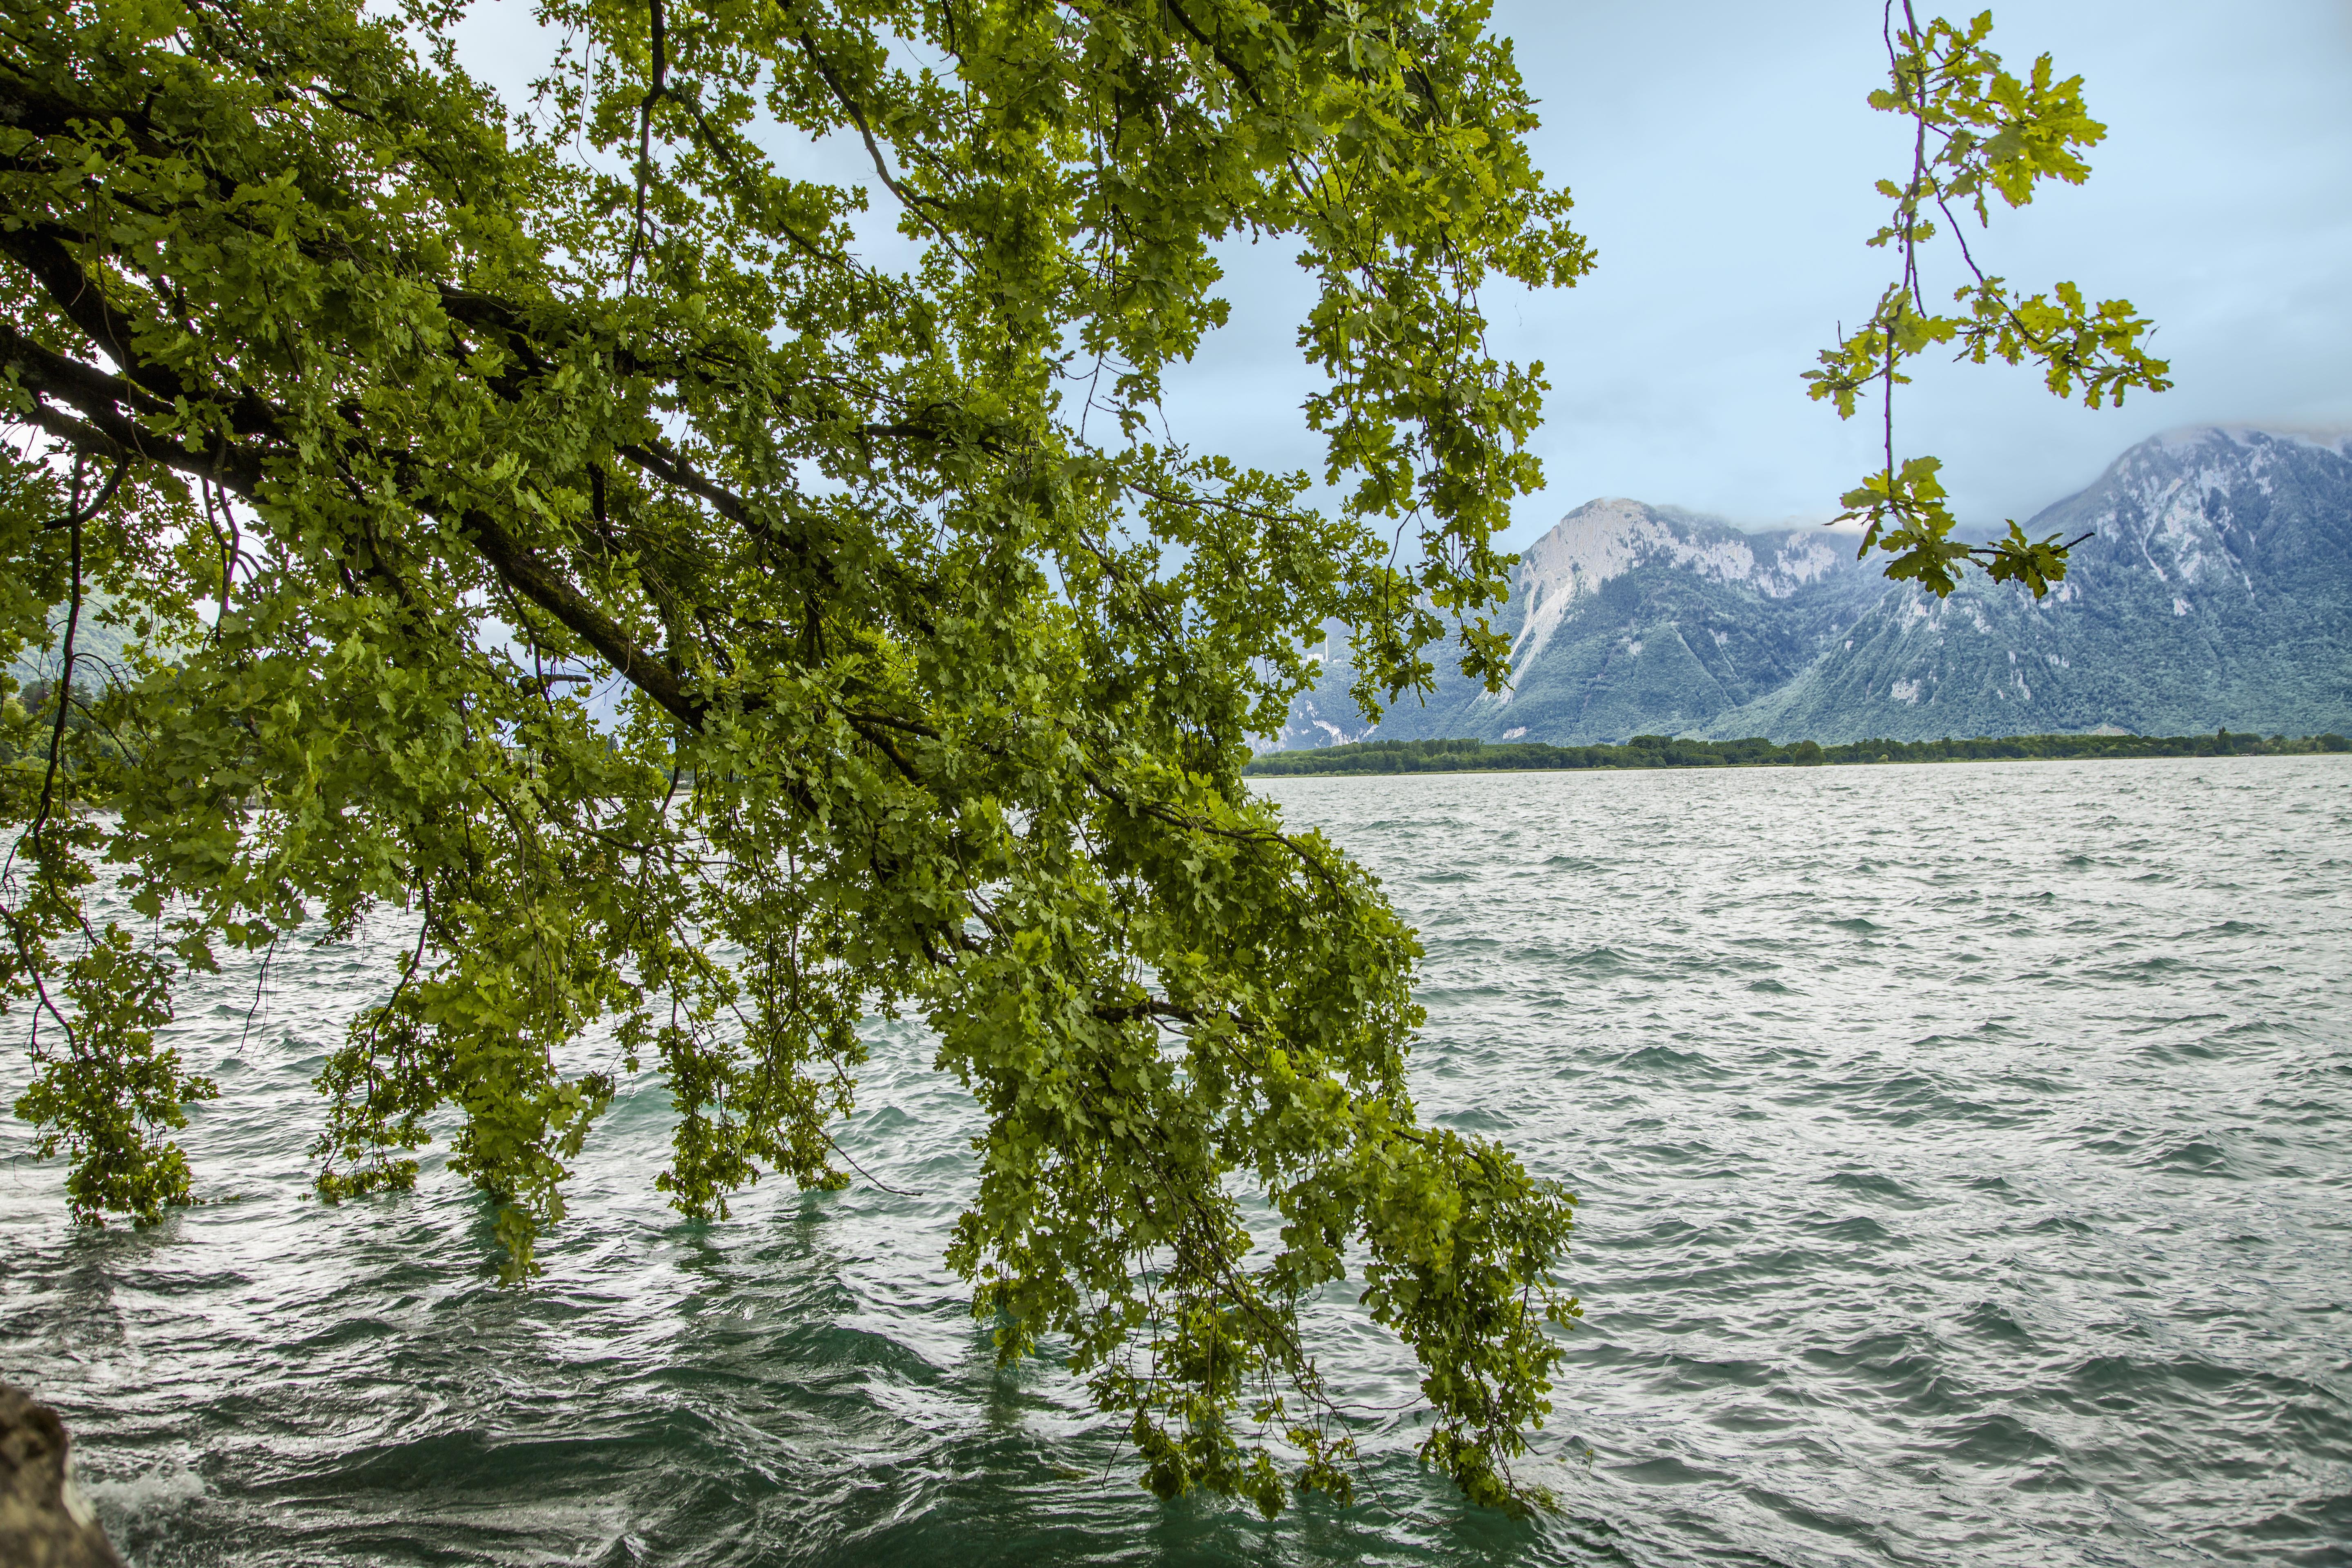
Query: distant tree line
{"x":1674,"y":751}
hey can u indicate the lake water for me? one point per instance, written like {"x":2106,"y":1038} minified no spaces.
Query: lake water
{"x":1966,"y":1158}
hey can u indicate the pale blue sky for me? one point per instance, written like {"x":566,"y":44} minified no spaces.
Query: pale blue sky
{"x":1722,"y":156}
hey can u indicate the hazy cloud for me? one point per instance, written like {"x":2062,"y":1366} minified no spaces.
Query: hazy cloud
{"x":1722,"y":159}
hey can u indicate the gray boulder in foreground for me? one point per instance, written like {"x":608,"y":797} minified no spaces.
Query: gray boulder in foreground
{"x":44,"y":1523}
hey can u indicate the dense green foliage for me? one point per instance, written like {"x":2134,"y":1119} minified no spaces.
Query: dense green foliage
{"x":371,"y":418}
{"x":363,"y":412}
{"x":28,"y":715}
{"x":1677,"y":752}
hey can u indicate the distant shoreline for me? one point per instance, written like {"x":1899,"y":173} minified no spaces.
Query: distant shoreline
{"x":1465,"y":756}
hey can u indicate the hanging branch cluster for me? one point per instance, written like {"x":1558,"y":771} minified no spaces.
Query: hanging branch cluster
{"x":915,"y":699}
{"x":1980,"y":134}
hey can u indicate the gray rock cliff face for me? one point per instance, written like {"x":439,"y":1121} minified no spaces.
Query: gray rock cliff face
{"x":2216,"y":592}
{"x":1629,"y":618}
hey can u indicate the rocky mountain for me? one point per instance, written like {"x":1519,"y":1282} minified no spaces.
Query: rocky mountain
{"x":1628,"y":619}
{"x":2216,"y":592}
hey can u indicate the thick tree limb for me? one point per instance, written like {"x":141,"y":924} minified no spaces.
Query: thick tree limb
{"x":70,"y":287}
{"x":105,"y":430}
{"x":529,"y":576}
{"x":111,"y":433}
{"x":671,"y":468}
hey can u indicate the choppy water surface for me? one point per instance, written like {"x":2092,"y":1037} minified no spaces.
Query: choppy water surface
{"x":1963,"y":1152}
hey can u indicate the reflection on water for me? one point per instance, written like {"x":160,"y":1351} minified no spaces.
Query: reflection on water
{"x":1963,"y":1152}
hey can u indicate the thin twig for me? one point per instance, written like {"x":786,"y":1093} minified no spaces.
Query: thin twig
{"x":894,"y":1192}
{"x":76,"y":515}
{"x":654,"y":94}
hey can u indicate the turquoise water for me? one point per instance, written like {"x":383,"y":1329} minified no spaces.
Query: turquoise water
{"x":1964,"y":1157}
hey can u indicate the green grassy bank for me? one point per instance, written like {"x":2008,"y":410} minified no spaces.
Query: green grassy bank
{"x":1666,"y":752}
